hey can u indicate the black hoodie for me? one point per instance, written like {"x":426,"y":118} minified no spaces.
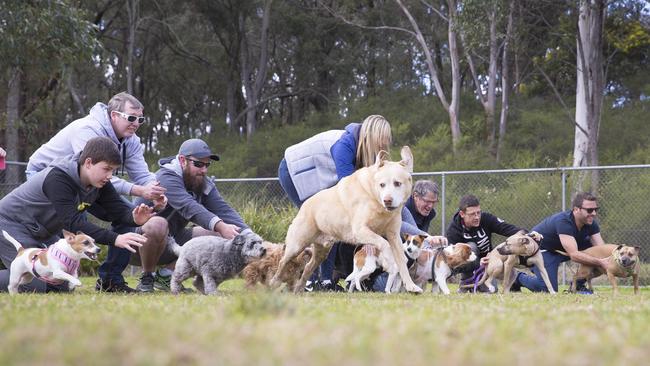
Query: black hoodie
{"x":482,"y":235}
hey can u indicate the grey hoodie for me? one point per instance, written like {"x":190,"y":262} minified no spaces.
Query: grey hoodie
{"x":183,"y":206}
{"x":72,"y":139}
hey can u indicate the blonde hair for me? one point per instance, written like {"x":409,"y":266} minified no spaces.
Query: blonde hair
{"x":374,"y":136}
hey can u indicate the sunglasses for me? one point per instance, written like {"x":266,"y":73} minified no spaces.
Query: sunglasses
{"x":131,"y":118}
{"x":591,"y":210}
{"x":198,"y":164}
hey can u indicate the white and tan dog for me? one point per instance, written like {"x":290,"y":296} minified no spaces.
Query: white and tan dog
{"x":58,"y":263}
{"x":519,"y":250}
{"x":363,"y":208}
{"x":444,"y":261}
{"x":367,"y":260}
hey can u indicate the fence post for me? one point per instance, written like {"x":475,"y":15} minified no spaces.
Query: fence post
{"x":563,"y":177}
{"x":442,"y":205}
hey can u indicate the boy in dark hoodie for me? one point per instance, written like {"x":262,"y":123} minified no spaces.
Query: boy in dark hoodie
{"x":55,"y":198}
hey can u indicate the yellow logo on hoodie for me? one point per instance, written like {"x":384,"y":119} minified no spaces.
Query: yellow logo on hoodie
{"x":83,"y":206}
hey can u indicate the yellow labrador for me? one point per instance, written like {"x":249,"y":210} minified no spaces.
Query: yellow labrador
{"x":363,"y":208}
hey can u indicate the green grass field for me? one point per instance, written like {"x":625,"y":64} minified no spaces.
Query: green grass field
{"x":265,"y":328}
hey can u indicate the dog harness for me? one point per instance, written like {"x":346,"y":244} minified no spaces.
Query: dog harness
{"x":70,"y":265}
{"x":523,"y":260}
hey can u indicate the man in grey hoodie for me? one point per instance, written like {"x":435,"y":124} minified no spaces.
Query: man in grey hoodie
{"x":192,"y":197}
{"x":119,"y":121}
{"x":57,"y":197}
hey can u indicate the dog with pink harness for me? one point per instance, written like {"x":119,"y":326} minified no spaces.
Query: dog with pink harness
{"x":55,"y":264}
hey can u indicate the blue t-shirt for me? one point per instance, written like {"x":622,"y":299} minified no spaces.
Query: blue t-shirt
{"x":564,"y":223}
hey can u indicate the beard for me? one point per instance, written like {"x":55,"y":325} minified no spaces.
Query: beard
{"x":193,"y":183}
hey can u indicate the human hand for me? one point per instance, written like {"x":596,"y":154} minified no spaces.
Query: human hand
{"x":152,"y":191}
{"x":604,"y":263}
{"x":159,"y":203}
{"x":436,"y":241}
{"x":130,"y":240}
{"x":484,"y":261}
{"x":536,"y":236}
{"x":142,"y":213}
{"x":228,"y":231}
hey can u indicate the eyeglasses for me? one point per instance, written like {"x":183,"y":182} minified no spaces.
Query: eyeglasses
{"x":198,"y":164}
{"x":428,"y":202}
{"x":591,"y":210}
{"x":131,"y":118}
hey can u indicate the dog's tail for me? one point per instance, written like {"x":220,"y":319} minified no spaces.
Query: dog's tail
{"x":173,"y":245}
{"x":12,"y":240}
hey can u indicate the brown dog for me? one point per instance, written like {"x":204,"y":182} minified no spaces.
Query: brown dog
{"x":519,"y":250}
{"x":262,"y":270}
{"x":623,"y":261}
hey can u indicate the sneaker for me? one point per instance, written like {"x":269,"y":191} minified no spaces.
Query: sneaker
{"x":583,"y":290}
{"x":162,"y":283}
{"x":117,"y":287}
{"x":329,"y":286}
{"x":146,"y":282}
{"x":310,"y":286}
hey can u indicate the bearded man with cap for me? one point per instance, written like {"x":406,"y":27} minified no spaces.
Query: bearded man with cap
{"x":192,"y":197}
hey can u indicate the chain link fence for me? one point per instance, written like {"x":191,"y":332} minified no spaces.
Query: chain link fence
{"x":519,"y":196}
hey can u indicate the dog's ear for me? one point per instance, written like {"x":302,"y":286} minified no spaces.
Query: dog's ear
{"x":69,"y":237}
{"x":407,"y":158}
{"x":239,"y":240}
{"x":403,"y":236}
{"x":619,"y":247}
{"x":637,"y":250}
{"x":382,"y":157}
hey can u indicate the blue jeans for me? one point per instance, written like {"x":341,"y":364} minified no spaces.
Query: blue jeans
{"x":117,"y":259}
{"x":535,"y":283}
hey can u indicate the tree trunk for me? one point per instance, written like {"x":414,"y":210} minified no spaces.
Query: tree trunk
{"x":589,"y":84}
{"x":132,"y":11}
{"x":74,"y":93}
{"x":13,"y":124}
{"x":452,"y":108}
{"x":254,"y":81}
{"x":492,"y":83}
{"x":505,"y":84}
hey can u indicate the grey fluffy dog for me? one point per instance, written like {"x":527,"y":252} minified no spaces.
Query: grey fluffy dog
{"x":213,"y":259}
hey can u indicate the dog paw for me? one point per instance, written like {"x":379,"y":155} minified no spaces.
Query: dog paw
{"x":414,"y":289}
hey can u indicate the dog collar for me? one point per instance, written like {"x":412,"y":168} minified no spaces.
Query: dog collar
{"x":523,"y":260}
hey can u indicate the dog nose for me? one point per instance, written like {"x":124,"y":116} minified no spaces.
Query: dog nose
{"x":388,"y":202}
{"x":263,"y":251}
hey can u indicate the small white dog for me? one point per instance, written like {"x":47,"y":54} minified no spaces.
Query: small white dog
{"x":55,"y":264}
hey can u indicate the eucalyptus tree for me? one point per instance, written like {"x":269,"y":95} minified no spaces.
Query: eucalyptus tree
{"x":37,"y":40}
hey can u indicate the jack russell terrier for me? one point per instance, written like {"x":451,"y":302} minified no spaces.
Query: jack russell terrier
{"x":55,"y":264}
{"x":443,"y":261}
{"x":368,"y":258}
